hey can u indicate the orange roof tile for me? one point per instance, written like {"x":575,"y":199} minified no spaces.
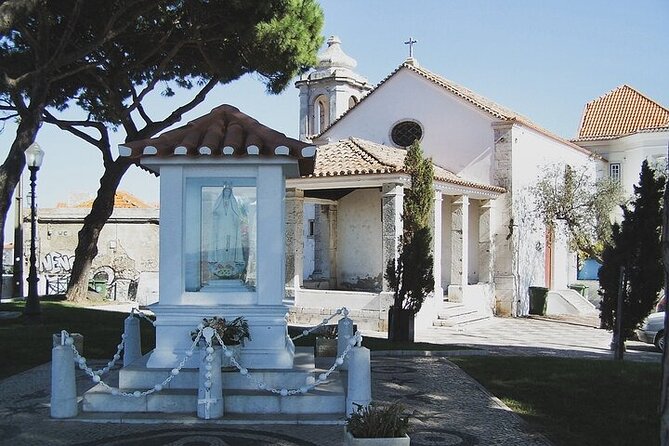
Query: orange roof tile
{"x":121,"y":200}
{"x":621,"y":112}
{"x":494,"y":109}
{"x":223,"y":132}
{"x":355,"y":156}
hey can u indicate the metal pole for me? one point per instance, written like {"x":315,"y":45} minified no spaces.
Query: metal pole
{"x":32,"y":307}
{"x":17,"y":275}
{"x":619,"y":338}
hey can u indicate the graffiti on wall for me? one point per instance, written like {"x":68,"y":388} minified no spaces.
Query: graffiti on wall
{"x":115,"y":278}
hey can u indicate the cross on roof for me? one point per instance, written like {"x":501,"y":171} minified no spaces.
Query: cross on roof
{"x":410,"y":42}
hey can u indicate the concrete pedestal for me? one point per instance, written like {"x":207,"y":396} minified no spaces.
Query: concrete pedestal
{"x":267,"y":349}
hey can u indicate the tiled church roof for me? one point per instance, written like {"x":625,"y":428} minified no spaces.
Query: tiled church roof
{"x":223,"y":132}
{"x":355,"y":156}
{"x":621,"y":112}
{"x":488,"y":106}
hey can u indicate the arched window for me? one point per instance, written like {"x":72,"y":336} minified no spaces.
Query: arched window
{"x":321,"y":114}
{"x":352,"y":101}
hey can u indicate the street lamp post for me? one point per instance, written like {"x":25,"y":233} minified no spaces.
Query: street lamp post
{"x":34,"y":155}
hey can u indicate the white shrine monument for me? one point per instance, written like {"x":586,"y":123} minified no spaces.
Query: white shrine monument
{"x":222,"y":253}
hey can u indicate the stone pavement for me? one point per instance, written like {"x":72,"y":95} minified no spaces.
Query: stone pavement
{"x":449,"y":407}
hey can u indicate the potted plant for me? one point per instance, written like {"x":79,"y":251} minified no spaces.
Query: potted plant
{"x":232,"y":333}
{"x":385,"y":425}
{"x":410,"y":275}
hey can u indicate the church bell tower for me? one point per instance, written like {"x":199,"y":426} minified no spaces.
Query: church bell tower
{"x":329,"y":91}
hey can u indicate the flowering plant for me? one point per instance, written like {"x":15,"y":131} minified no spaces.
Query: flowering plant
{"x":232,"y":333}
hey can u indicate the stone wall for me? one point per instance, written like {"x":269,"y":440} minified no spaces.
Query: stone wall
{"x":128,"y":252}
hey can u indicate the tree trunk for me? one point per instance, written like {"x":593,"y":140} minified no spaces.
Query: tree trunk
{"x":664,"y":398}
{"x":87,"y":248}
{"x":11,"y":169}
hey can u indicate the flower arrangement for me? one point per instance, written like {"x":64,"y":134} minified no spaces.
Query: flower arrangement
{"x":232,"y":333}
{"x":378,"y":421}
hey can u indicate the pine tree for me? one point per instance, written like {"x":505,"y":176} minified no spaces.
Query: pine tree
{"x":636,"y":246}
{"x":411,"y":276}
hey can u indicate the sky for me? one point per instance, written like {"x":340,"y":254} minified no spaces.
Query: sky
{"x":542,"y":59}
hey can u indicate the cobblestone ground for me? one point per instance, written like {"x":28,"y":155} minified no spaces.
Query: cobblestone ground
{"x":449,"y":407}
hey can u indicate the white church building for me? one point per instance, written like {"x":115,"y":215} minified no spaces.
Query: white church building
{"x":348,"y":212}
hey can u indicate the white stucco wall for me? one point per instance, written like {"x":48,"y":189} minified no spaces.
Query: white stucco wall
{"x":456,"y":134}
{"x":532,"y":152}
{"x":630,"y":151}
{"x":359,"y":238}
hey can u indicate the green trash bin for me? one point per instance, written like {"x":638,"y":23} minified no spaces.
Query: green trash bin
{"x":538,"y":295}
{"x":580,"y":289}
{"x":99,"y":286}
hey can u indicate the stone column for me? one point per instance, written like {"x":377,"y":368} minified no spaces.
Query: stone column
{"x":459,"y":241}
{"x":436,"y":246}
{"x":306,"y":111}
{"x":502,"y":223}
{"x":294,"y":237}
{"x":392,"y":202}
{"x":320,"y":243}
{"x":332,"y":245}
{"x":485,"y":242}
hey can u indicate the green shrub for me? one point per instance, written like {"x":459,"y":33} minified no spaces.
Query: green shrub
{"x":378,"y":421}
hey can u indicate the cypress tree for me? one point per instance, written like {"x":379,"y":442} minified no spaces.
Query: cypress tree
{"x":636,"y":245}
{"x":411,"y":277}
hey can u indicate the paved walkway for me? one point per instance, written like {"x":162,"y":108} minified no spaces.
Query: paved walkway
{"x":449,"y":407}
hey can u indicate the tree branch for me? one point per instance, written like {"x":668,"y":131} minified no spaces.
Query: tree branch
{"x":151,"y":129}
{"x":71,"y":126}
{"x":65,"y":37}
{"x":150,"y":86}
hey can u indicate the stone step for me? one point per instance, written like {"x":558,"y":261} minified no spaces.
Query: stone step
{"x":138,"y":376}
{"x":228,"y":419}
{"x":459,"y":321}
{"x":328,"y":398}
{"x":457,"y":314}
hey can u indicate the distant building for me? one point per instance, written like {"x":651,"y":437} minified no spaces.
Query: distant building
{"x":126,"y":267}
{"x":626,"y":127}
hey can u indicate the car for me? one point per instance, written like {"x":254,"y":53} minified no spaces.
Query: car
{"x":652,"y":330}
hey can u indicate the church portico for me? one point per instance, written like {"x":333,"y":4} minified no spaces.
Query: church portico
{"x":357,"y":225}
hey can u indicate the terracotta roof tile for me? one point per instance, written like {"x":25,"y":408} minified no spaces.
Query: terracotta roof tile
{"x":121,"y":200}
{"x":492,"y":108}
{"x":355,"y":156}
{"x":621,"y":112}
{"x":225,"y":131}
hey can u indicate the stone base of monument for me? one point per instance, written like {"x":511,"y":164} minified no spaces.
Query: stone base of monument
{"x":241,"y":396}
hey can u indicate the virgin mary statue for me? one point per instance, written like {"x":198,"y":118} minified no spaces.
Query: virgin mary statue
{"x":228,"y":253}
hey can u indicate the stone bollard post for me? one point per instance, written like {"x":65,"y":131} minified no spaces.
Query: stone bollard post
{"x":132,"y":345}
{"x":359,"y":379}
{"x":344,"y":335}
{"x":210,"y":402}
{"x":63,"y":384}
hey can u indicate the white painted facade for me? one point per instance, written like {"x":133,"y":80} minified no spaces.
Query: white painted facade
{"x":456,"y":133}
{"x":359,"y":238}
{"x":491,"y":261}
{"x":630,"y":151}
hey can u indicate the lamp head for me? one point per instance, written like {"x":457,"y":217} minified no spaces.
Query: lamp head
{"x":34,"y":156}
